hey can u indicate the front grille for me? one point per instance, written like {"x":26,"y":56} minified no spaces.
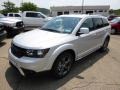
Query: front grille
{"x":19,"y":24}
{"x":17,"y":51}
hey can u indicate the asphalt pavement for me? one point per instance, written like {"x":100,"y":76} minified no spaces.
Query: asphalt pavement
{"x":98,"y":71}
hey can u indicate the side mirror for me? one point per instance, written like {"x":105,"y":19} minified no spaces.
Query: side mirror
{"x":83,"y":31}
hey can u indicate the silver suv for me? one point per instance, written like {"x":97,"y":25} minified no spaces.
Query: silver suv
{"x":59,"y":43}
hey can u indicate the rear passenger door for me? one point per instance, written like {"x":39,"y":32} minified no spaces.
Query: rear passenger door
{"x":99,"y":29}
{"x":86,"y":42}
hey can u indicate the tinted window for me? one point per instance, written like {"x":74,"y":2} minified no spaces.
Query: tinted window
{"x":105,"y":22}
{"x":88,"y":24}
{"x":11,"y":15}
{"x":97,"y":23}
{"x":35,"y":15}
{"x":17,"y":15}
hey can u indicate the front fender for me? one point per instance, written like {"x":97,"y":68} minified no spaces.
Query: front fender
{"x":58,"y":51}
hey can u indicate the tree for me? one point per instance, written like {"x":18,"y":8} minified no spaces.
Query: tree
{"x":111,"y":11}
{"x":28,"y":6}
{"x":117,"y":12}
{"x":9,"y":7}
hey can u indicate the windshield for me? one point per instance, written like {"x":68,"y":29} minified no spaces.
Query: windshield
{"x":2,"y":16}
{"x":116,"y":20}
{"x":62,"y":24}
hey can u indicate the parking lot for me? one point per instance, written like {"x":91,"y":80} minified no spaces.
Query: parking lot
{"x":98,"y":71}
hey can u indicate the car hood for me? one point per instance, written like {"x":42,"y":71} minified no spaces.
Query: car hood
{"x":40,"y":39}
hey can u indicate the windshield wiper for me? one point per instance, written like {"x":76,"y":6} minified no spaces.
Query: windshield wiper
{"x":48,"y":29}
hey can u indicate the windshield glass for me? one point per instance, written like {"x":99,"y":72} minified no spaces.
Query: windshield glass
{"x":116,"y":20}
{"x":62,"y":24}
{"x":2,"y":16}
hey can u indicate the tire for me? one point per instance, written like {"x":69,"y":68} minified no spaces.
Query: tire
{"x":113,"y":31}
{"x":62,"y":65}
{"x":105,"y":45}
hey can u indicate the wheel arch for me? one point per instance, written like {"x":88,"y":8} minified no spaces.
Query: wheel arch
{"x":107,"y":37}
{"x":59,"y":51}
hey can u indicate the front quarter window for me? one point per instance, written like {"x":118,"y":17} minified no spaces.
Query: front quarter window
{"x":88,"y":23}
{"x":62,"y":24}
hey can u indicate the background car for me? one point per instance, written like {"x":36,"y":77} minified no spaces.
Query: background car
{"x":11,"y":25}
{"x":31,"y":19}
{"x":115,"y":25}
{"x":111,"y":17}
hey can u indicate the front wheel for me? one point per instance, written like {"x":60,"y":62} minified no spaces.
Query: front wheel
{"x":62,"y":65}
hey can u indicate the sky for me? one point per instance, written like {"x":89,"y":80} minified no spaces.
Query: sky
{"x":114,"y":4}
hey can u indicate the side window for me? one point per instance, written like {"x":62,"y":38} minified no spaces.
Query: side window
{"x":30,"y":14}
{"x":88,"y":23}
{"x":98,"y":23}
{"x":105,"y":22}
{"x":34,"y":15}
{"x":17,"y":15}
{"x":10,"y":15}
{"x":40,"y":16}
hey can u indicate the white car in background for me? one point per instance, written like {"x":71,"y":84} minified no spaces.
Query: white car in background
{"x":59,"y":43}
{"x":13,"y":26}
{"x":31,"y":19}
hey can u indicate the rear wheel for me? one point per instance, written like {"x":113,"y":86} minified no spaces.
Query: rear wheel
{"x":62,"y":65}
{"x":105,"y":45}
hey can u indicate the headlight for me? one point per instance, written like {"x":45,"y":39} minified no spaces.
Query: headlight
{"x":36,"y":53}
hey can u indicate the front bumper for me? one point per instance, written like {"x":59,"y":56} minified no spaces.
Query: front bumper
{"x":12,"y":31}
{"x":26,"y":63}
{"x":3,"y":35}
{"x":14,"y":28}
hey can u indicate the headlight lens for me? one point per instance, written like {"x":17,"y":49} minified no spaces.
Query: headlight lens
{"x":37,"y":53}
